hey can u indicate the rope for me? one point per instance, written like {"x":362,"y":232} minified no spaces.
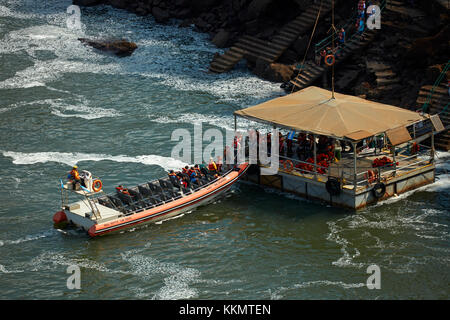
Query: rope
{"x":309,"y":43}
{"x":332,"y":50}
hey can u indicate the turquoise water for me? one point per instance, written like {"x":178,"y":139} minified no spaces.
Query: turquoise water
{"x":62,"y":102}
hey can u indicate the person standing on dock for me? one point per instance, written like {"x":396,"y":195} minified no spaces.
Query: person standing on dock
{"x":342,"y":37}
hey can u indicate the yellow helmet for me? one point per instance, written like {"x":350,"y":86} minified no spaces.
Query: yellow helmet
{"x":75,"y":167}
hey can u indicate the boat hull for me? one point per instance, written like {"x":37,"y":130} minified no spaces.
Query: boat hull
{"x":171,"y":209}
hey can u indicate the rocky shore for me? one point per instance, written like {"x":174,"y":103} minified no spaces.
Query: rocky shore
{"x":413,"y":44}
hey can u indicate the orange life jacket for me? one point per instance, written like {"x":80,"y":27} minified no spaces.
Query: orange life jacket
{"x":122,"y":190}
{"x":212,"y":166}
{"x":74,"y":173}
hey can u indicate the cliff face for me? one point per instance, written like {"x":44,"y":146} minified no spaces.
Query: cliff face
{"x":224,"y":20}
{"x":412,"y":45}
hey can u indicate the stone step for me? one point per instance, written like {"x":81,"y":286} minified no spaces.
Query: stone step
{"x":377,"y":66}
{"x":264,"y":43}
{"x":387,"y":74}
{"x":260,"y":45}
{"x":389,"y":87}
{"x":223,"y":64}
{"x":227,"y":59}
{"x":383,"y":82}
{"x":298,"y":24}
{"x":283,"y":40}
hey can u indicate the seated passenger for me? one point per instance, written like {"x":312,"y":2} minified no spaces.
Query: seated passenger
{"x":198,"y":171}
{"x":173,"y":177}
{"x":185,"y":169}
{"x":123,"y":190}
{"x":193,"y":176}
{"x":212,"y":166}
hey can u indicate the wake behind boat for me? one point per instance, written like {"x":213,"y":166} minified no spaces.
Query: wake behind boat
{"x":99,"y":213}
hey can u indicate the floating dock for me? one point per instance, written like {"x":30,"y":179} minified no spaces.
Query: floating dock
{"x":383,"y":154}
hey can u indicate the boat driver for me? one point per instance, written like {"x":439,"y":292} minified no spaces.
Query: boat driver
{"x":74,"y":176}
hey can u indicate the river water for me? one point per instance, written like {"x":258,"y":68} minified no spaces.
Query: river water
{"x":62,"y":102}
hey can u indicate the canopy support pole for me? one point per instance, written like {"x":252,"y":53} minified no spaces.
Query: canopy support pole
{"x":395,"y":162}
{"x":355,"y":176}
{"x":315,"y":157}
{"x":432,"y":143}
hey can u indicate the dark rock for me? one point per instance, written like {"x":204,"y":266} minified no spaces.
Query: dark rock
{"x":201,"y":24}
{"x":119,"y":4}
{"x":120,"y":48}
{"x":186,"y":23}
{"x":221,"y":38}
{"x":252,"y":27}
{"x":432,"y":73}
{"x":289,"y":57}
{"x":424,"y":51}
{"x":160,"y":15}
{"x":275,"y":72}
{"x":86,"y":3}
{"x":203,"y":5}
{"x":182,"y":13}
{"x":300,"y":45}
{"x":256,"y":8}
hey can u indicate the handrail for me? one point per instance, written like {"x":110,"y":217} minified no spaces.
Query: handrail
{"x":438,"y":81}
{"x":328,"y":39}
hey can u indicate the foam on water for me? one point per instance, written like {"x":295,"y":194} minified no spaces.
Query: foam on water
{"x":171,"y":50}
{"x":71,"y":159}
{"x":277,"y":293}
{"x":31,"y":237}
{"x":224,"y":122}
{"x":80,"y":110}
{"x":50,"y":260}
{"x":72,"y":106}
{"x":177,"y":278}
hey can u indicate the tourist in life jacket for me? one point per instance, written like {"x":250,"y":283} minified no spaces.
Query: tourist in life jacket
{"x":361,"y":8}
{"x":193,"y":176}
{"x":123,"y":190}
{"x":212,"y":165}
{"x":185,"y":169}
{"x":173,"y":177}
{"x":197,"y":170}
{"x":74,"y":176}
{"x":360,"y":26}
{"x":342,"y":37}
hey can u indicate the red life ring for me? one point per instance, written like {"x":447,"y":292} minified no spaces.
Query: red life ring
{"x":330,"y":56}
{"x":288,"y":165}
{"x":97,"y":185}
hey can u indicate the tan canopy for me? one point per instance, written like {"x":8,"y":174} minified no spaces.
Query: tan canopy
{"x":313,"y":110}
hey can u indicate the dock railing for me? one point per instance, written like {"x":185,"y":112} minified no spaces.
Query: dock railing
{"x":346,"y":173}
{"x":384,"y":173}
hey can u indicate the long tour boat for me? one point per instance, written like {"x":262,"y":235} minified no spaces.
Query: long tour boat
{"x":99,"y":213}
